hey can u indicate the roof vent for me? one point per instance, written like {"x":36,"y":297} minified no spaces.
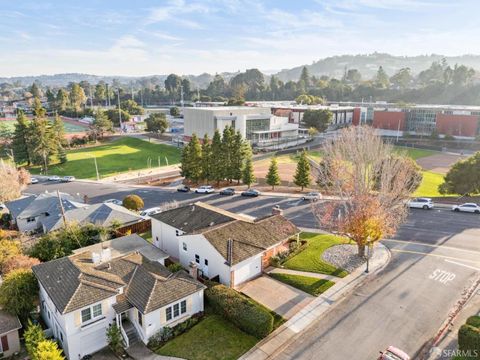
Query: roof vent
{"x":96,"y":258}
{"x":211,"y":224}
{"x":193,"y":208}
{"x":106,"y":254}
{"x":230,"y":252}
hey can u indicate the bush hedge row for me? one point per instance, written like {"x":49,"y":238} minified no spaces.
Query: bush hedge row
{"x":240,"y":310}
{"x":469,"y":338}
{"x":474,"y":321}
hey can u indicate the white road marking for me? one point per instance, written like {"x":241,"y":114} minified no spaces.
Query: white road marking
{"x":434,"y":255}
{"x":464,"y":265}
{"x":442,"y":276}
{"x":432,"y":245}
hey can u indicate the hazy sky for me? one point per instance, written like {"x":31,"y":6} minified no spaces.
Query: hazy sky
{"x":141,"y":37}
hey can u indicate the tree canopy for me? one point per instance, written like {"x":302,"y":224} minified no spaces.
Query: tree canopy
{"x":463,"y":177}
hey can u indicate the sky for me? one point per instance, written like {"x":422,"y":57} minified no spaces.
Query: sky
{"x":141,"y":37}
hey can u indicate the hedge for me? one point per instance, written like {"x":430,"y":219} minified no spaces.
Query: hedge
{"x":240,"y":310}
{"x":474,"y":321}
{"x":468,"y":338}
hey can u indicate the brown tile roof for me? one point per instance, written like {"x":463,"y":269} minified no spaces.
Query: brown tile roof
{"x":74,"y":282}
{"x":8,"y":322}
{"x":249,"y":238}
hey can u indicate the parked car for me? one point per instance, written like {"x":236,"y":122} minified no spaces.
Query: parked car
{"x":393,"y":353}
{"x":33,"y":181}
{"x":421,"y":203}
{"x":113,"y":201}
{"x":53,"y":178}
{"x":312,"y":196}
{"x":205,"y":189}
{"x":467,"y":207}
{"x":68,"y":178}
{"x":149,"y":212}
{"x":251,"y":193}
{"x":228,"y":191}
{"x":183,"y":188}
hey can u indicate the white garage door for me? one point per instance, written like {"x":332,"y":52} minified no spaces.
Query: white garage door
{"x":249,"y":270}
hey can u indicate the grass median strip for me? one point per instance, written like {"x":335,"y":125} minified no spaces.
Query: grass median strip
{"x":310,"y":285}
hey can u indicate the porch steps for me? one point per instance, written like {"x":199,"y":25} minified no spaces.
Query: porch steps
{"x":131,"y":332}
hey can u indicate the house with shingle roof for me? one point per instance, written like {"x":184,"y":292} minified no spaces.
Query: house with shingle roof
{"x":233,"y":248}
{"x":9,"y":338}
{"x":121,"y":281}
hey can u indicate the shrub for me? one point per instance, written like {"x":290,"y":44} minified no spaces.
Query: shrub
{"x":33,"y":336}
{"x":474,"y":321}
{"x":48,"y":350}
{"x":468,"y":338}
{"x":133,"y":202}
{"x":18,"y":292}
{"x":114,"y":338}
{"x":162,"y":336}
{"x":448,"y":137}
{"x":19,"y":262}
{"x":8,"y":249}
{"x":241,"y":311}
{"x":175,"y":267}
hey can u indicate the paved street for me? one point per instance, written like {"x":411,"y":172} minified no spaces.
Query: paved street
{"x":435,"y":256}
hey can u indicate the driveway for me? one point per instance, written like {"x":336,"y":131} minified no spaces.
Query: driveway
{"x":277,"y":296}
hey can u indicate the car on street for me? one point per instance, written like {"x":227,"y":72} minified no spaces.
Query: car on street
{"x":421,"y":203}
{"x":227,"y":191}
{"x":205,"y":189}
{"x":68,"y":178}
{"x":393,"y":353}
{"x":53,"y":178}
{"x":467,"y":207}
{"x":251,"y":193}
{"x":183,"y":188}
{"x":33,"y":181}
{"x":312,"y":196}
{"x":113,"y":201}
{"x":149,"y":212}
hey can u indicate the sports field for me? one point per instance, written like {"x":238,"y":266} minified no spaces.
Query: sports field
{"x":69,"y":127}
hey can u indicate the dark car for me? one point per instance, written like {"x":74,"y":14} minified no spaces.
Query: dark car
{"x":183,"y":188}
{"x":227,"y":191}
{"x":251,"y":193}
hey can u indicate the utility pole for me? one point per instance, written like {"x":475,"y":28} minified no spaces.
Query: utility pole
{"x":62,"y":209}
{"x":119,"y":110}
{"x":91,"y":97}
{"x":181,"y":96}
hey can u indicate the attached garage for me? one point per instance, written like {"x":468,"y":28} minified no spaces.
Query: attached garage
{"x":247,"y":270}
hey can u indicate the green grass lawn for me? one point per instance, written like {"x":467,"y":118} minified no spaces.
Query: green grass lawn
{"x":307,"y":284}
{"x":116,"y":157}
{"x":310,"y":259}
{"x":147,"y":235}
{"x":69,"y":128}
{"x":212,"y":338}
{"x":414,"y":153}
{"x":429,"y":185}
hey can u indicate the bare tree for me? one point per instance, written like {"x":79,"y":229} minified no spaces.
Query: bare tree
{"x":12,"y":181}
{"x":372,"y":183}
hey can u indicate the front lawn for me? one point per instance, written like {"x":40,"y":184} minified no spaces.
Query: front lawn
{"x":414,"y":153}
{"x":310,"y":285}
{"x":212,"y":338}
{"x":310,"y":259}
{"x":429,"y":185}
{"x":118,"y":156}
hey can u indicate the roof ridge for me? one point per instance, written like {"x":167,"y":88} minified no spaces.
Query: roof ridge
{"x":71,"y":297}
{"x":247,"y":243}
{"x":94,"y":284}
{"x":222,"y":211}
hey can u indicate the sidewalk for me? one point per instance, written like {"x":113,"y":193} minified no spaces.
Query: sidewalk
{"x":293,"y":328}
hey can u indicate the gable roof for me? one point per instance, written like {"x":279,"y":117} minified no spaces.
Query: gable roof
{"x":74,"y":282}
{"x":98,"y":214}
{"x":250,"y":238}
{"x":8,"y":322}
{"x":194,"y":217}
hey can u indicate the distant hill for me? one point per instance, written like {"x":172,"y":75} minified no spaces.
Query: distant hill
{"x":368,"y":64}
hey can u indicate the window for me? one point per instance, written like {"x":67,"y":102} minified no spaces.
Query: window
{"x":30,"y":219}
{"x":206,"y":262}
{"x":97,"y":310}
{"x":197,"y":259}
{"x":91,"y":313}
{"x":86,"y":315}
{"x":176,"y":310}
{"x":140,"y":318}
{"x":169,"y":313}
{"x":184,"y":246}
{"x":183,"y":306}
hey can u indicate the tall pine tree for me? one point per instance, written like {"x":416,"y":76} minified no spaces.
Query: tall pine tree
{"x":238,"y":155}
{"x":58,"y":134}
{"x":44,"y":144}
{"x":273,"y":178}
{"x":302,"y":172}
{"x":248,"y":178}
{"x":217,"y":159}
{"x":228,"y":153}
{"x":193,"y":160}
{"x":206,"y":158}
{"x":21,"y":143}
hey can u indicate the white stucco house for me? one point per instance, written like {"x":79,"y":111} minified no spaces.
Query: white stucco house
{"x":9,"y":338}
{"x":228,"y":247}
{"x":121,"y":281}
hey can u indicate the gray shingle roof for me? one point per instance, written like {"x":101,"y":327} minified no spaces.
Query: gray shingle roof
{"x":17,"y":206}
{"x":8,"y":322}
{"x":74,"y":282}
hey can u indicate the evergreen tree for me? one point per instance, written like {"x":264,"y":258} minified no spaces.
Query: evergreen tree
{"x":272,"y":176}
{"x":62,"y":100}
{"x":217,"y":163}
{"x":228,"y":152}
{"x":184,"y":162}
{"x":43,"y":140}
{"x":192,"y":160}
{"x":248,"y":178}
{"x":302,"y":172}
{"x":238,"y":155}
{"x":101,"y":124}
{"x":21,"y":143}
{"x":381,"y":80}
{"x":305,"y":77}
{"x":58,"y":134}
{"x":77,"y":97}
{"x":206,"y":158}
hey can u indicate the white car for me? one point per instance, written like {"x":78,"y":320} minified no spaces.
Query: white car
{"x":467,"y":207}
{"x":113,"y":201}
{"x":149,"y":212}
{"x":421,"y":203}
{"x":312,"y":196}
{"x":54,"y":178}
{"x":206,"y":189}
{"x":68,"y":178}
{"x":33,"y":181}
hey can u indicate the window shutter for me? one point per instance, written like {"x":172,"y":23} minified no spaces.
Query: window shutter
{"x":5,"y":343}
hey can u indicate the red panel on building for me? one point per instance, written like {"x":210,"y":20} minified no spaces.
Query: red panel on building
{"x":389,"y":120}
{"x":356,"y":116}
{"x":457,"y":125}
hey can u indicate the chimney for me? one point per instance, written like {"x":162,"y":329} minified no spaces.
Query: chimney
{"x":276,"y":210}
{"x":230,"y":252}
{"x":193,"y":269}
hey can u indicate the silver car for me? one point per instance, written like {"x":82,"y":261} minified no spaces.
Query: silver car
{"x":312,"y":196}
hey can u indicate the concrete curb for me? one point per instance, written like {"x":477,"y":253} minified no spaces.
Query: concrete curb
{"x":293,"y":328}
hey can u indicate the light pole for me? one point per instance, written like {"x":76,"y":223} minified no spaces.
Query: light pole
{"x":367,"y":270}
{"x":119,"y":109}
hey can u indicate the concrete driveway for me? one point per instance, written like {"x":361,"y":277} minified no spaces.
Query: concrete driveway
{"x":277,"y":296}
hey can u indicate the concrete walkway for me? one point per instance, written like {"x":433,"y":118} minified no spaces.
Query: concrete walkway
{"x":139,"y":351}
{"x":302,"y":273}
{"x":293,"y":328}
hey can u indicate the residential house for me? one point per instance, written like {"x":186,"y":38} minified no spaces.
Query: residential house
{"x":9,"y":339}
{"x":233,"y":247}
{"x":121,"y":281}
